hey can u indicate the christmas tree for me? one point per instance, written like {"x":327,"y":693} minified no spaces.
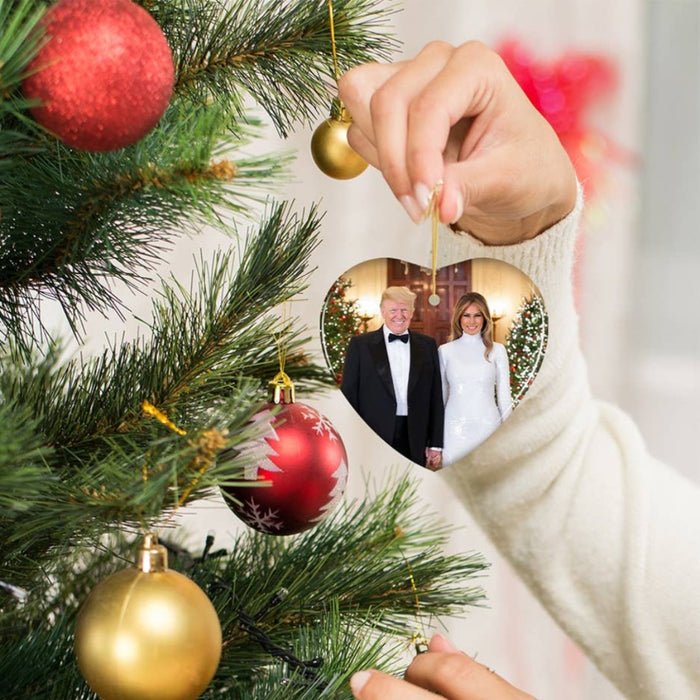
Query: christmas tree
{"x":526,"y":344}
{"x":97,"y":450}
{"x":340,"y":321}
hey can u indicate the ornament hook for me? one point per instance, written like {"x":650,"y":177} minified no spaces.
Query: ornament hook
{"x":281,"y":385}
{"x":282,"y":389}
{"x":434,"y":214}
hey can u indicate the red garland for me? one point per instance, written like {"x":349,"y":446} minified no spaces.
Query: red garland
{"x":562,"y":91}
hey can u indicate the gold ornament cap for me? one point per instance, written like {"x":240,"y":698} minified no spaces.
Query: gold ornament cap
{"x":282,"y":389}
{"x":153,"y":557}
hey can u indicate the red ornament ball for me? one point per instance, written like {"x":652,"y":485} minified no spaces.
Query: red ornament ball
{"x":303,"y":459}
{"x":104,"y":76}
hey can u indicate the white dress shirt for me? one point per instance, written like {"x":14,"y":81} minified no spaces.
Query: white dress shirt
{"x":400,"y":363}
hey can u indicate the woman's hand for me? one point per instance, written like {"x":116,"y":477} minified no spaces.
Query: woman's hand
{"x":442,"y":672}
{"x":458,"y":116}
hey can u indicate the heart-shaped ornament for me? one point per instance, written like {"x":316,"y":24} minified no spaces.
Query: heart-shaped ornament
{"x":434,"y":368}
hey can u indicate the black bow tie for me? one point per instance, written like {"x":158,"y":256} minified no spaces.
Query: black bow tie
{"x":403,"y":338}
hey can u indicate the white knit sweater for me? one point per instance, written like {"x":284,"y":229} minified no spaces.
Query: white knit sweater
{"x":606,"y":537}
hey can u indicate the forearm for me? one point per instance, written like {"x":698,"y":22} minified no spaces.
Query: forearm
{"x":605,"y":536}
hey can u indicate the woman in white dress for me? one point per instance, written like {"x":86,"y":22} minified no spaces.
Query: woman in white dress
{"x":475,"y":379}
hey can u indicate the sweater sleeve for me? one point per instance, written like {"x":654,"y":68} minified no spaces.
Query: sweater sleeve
{"x":606,"y":537}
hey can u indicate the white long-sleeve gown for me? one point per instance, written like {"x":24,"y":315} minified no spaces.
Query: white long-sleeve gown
{"x":476,"y":392}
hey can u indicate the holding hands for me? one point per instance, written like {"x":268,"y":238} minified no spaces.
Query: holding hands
{"x":457,"y":116}
{"x":433,"y":459}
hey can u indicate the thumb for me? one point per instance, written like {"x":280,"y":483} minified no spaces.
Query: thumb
{"x":484,"y":184}
{"x":440,"y":643}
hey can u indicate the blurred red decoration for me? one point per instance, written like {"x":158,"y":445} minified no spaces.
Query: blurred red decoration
{"x":563,"y":90}
{"x":301,"y":465}
{"x":104,"y":76}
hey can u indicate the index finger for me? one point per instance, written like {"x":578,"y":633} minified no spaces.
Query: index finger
{"x":457,"y":676}
{"x":356,"y":87}
{"x":375,"y":685}
{"x":469,"y":85}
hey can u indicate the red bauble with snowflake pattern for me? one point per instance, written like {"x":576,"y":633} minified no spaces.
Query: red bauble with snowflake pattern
{"x":301,"y":465}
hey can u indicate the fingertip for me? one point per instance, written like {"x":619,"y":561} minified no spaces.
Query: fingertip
{"x":421,"y":193}
{"x":412,"y":208}
{"x":454,"y":209}
{"x":452,"y":203}
{"x":348,"y":83}
{"x":440,"y":643}
{"x":358,"y":681}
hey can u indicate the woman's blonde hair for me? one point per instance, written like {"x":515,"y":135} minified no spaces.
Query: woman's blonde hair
{"x":465,"y":301}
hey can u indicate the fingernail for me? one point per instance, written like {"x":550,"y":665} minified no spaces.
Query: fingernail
{"x":358,"y":681}
{"x":422,"y":194}
{"x":460,"y":209}
{"x":411,"y":206}
{"x":446,"y":643}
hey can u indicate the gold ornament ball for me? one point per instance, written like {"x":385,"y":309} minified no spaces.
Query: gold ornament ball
{"x":332,"y":153}
{"x":148,"y":634}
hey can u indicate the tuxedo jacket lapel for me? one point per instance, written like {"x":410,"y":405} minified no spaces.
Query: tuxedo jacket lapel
{"x":417,"y":362}
{"x":377,"y":348}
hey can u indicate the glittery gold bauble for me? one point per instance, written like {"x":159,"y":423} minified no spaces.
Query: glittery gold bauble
{"x":332,"y":152}
{"x":148,"y":632}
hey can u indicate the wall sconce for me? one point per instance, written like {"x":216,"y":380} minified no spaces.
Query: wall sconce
{"x":499,"y":309}
{"x":365,"y":308}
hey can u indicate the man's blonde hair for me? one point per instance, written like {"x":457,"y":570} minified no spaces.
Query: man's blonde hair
{"x":402,"y":295}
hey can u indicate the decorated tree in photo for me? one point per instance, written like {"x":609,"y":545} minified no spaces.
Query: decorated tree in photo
{"x":526,"y":344}
{"x":124,"y":132}
{"x":340,"y":321}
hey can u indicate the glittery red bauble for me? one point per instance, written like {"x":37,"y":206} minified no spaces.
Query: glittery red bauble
{"x":104,"y":76}
{"x":303,"y":459}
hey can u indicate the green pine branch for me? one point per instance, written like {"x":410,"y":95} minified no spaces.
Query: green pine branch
{"x":364,"y":566}
{"x":83,"y":468}
{"x":350,"y":598}
{"x":282,"y":57}
{"x":212,"y":350}
{"x":203,"y":339}
{"x":18,"y":44}
{"x":24,"y":476}
{"x":75,"y":222}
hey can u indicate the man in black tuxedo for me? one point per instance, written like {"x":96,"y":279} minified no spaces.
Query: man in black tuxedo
{"x":392,"y":379}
